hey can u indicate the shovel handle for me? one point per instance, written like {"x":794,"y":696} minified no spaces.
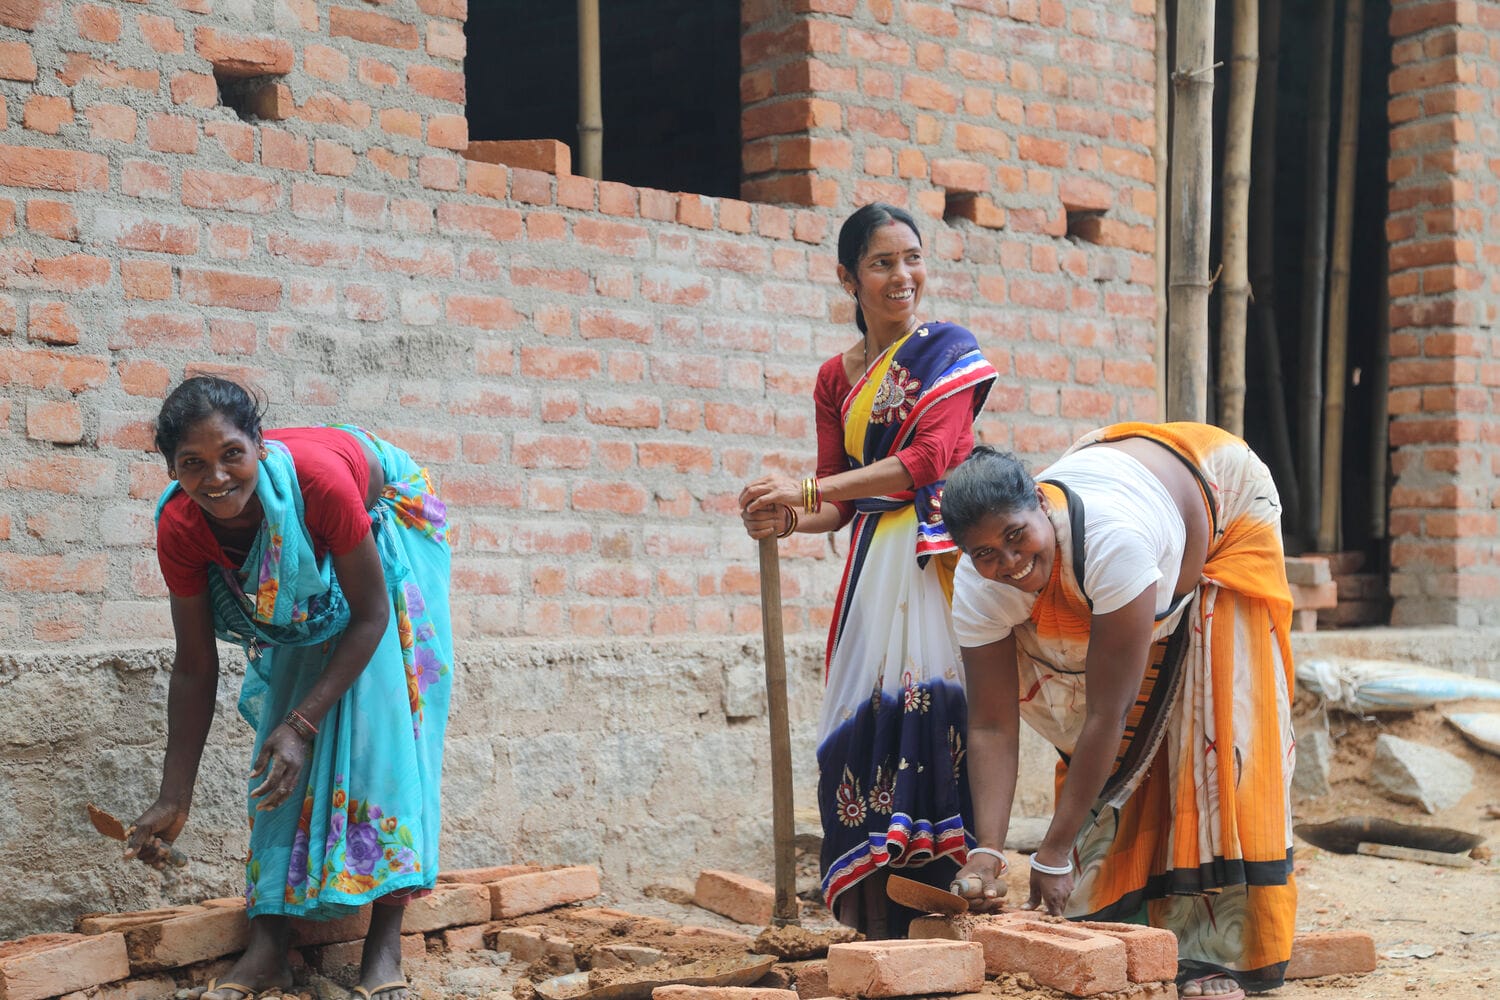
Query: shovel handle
{"x":782,"y":827}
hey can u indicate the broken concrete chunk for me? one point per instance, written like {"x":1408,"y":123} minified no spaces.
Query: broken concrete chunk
{"x":1314,"y":762}
{"x":1426,"y":776}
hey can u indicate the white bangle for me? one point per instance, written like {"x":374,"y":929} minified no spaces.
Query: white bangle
{"x":1004,"y":865}
{"x":1066,"y":869}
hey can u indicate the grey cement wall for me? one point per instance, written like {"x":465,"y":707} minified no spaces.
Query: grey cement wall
{"x":648,"y":759}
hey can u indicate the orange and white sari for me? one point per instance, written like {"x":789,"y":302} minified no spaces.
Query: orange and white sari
{"x":1194,"y":825}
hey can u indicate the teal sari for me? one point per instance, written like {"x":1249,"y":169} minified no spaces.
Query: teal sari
{"x":367,"y":820}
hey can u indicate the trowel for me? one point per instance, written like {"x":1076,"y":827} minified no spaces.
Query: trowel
{"x":112,"y":828}
{"x":925,"y":898}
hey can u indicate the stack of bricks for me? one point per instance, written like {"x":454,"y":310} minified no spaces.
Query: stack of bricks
{"x":142,"y":955}
{"x":1364,"y":596}
{"x":1313,"y":590}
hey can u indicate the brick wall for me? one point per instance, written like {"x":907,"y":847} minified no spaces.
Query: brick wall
{"x":1445,"y":296}
{"x":591,"y":369}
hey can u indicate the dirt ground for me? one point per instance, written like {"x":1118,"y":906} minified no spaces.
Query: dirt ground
{"x":1436,"y":929}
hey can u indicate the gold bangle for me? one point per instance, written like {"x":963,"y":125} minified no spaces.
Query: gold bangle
{"x":791,"y":524}
{"x":812,"y":495}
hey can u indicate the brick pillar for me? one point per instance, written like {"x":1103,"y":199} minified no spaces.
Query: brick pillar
{"x":789,"y":130}
{"x":1445,"y":295}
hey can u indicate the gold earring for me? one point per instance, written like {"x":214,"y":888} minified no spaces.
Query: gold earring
{"x":263,"y":454}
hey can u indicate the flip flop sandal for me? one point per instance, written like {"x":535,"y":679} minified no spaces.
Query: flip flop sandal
{"x":215,"y":986}
{"x":401,"y":984}
{"x":1235,"y":994}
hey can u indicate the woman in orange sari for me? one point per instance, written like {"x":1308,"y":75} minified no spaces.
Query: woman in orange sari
{"x":1132,"y":607}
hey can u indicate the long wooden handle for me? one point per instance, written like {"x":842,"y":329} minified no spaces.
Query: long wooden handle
{"x":786,"y":911}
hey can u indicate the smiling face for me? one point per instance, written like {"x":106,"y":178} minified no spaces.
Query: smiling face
{"x":217,"y":465}
{"x":1015,"y":548}
{"x":890,"y":278}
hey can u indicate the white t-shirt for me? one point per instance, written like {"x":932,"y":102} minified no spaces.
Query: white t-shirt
{"x":1134,"y":537}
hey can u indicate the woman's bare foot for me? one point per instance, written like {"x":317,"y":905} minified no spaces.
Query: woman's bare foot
{"x":1216,"y":985}
{"x":262,"y":967}
{"x":380,"y":975}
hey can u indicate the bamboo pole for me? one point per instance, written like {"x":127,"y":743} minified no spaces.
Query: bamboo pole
{"x":1263,"y":324}
{"x":1163,"y":172}
{"x":1338,"y":283}
{"x":590,"y":101}
{"x":782,"y":826}
{"x":1234,"y":289}
{"x":1380,"y":386}
{"x":1192,"y":212}
{"x":1314,"y":289}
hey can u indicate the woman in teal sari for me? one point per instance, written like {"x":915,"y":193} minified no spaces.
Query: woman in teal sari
{"x":323,"y":552}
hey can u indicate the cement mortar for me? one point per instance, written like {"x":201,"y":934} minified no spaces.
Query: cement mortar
{"x":647,"y":759}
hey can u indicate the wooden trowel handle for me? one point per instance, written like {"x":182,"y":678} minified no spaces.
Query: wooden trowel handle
{"x":783,"y":831}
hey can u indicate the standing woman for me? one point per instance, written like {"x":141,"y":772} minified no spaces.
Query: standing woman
{"x":894,"y":413}
{"x":323,"y":552}
{"x":1132,"y":607}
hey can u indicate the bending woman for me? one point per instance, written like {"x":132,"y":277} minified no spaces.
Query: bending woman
{"x":894,"y":413}
{"x":323,"y":552}
{"x":1133,"y":608}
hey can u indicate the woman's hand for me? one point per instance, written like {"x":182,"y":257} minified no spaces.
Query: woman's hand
{"x":761,"y":505}
{"x":282,"y":757}
{"x":147,"y":838}
{"x":982,"y":882}
{"x":1049,"y":893}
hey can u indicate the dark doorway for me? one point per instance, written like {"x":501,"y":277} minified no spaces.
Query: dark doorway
{"x":670,"y":72}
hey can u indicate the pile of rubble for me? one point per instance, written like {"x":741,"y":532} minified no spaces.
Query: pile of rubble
{"x":518,"y":931}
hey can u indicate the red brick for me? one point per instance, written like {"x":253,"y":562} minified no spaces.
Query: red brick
{"x":1150,"y":952}
{"x":1330,"y":953}
{"x":53,"y":169}
{"x":317,"y":932}
{"x":52,"y":323}
{"x":52,"y":369}
{"x":1307,"y":570}
{"x":1314,"y":597}
{"x":528,"y":944}
{"x":54,"y":219}
{"x":239,"y":56}
{"x":545,"y":155}
{"x":48,"y":965}
{"x":60,"y":422}
{"x":680,"y":992}
{"x":437,"y":83}
{"x":146,"y":279}
{"x":235,"y":291}
{"x":22,"y":14}
{"x":78,"y":67}
{"x":193,"y":937}
{"x":377,"y":29}
{"x":468,"y":938}
{"x":904,"y":968}
{"x":1075,"y":961}
{"x":537,"y":891}
{"x":234,"y":192}
{"x":738,"y":897}
{"x":483,"y":875}
{"x":462,"y":903}
{"x":17,"y":62}
{"x":47,"y":114}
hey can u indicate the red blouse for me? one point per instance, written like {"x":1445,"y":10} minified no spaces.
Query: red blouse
{"x":943,"y":439}
{"x":334,"y":476}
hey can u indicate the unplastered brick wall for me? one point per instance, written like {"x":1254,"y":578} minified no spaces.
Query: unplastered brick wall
{"x":591,"y":370}
{"x":1445,"y":300}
